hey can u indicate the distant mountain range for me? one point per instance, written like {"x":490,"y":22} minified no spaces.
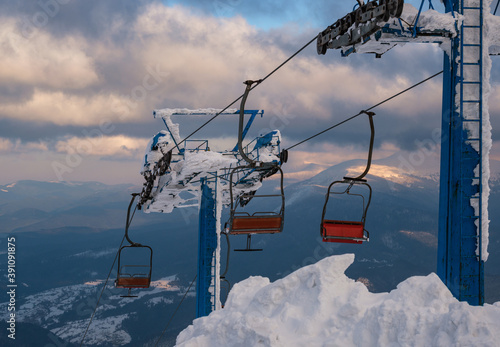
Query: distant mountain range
{"x":67,"y":235}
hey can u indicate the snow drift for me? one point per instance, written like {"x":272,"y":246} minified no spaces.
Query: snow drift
{"x":319,"y":305}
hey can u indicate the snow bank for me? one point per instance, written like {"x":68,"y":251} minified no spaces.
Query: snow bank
{"x":319,"y":305}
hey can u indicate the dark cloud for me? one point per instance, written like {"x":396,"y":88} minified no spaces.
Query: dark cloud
{"x":10,"y":92}
{"x":14,"y":129}
{"x":92,"y":18}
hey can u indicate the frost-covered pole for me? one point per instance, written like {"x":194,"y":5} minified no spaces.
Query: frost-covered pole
{"x":463,"y":222}
{"x":207,"y":284}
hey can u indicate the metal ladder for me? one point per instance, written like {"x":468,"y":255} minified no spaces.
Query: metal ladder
{"x":471,"y":108}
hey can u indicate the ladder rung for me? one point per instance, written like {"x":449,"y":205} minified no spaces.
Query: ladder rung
{"x":471,"y":8}
{"x":471,"y":101}
{"x":468,"y":257}
{"x":471,"y":45}
{"x":471,"y":63}
{"x":470,"y":82}
{"x":470,"y":120}
{"x":471,"y":26}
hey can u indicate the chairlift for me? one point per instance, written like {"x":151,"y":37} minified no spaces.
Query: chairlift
{"x":244,"y":223}
{"x":131,"y":276}
{"x":350,"y":231}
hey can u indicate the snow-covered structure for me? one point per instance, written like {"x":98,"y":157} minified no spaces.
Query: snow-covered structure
{"x":181,"y":173}
{"x":192,"y":159}
{"x":318,"y":305}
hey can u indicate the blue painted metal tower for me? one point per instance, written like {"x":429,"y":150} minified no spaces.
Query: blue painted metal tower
{"x":460,"y":261}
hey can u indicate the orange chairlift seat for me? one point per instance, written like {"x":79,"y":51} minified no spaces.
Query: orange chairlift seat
{"x":349,"y":231}
{"x":131,"y":276}
{"x":244,"y":223}
{"x":134,"y":276}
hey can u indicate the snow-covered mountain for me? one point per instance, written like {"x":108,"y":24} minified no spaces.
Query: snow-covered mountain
{"x":65,"y":311}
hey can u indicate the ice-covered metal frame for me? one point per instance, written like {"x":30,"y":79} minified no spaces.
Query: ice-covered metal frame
{"x":185,"y":162}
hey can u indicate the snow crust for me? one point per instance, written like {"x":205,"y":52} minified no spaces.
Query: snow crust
{"x":429,"y":22}
{"x":180,"y":179}
{"x":494,"y":27}
{"x":489,"y":36}
{"x":319,"y":305}
{"x":180,"y":185}
{"x":432,"y":20}
{"x":167,"y":112}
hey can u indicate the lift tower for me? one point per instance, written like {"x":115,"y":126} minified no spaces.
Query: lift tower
{"x":185,"y":173}
{"x":376,"y":27}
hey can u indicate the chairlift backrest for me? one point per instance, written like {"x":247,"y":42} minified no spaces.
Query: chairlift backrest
{"x":267,"y":222}
{"x":244,"y":223}
{"x":346,"y":231}
{"x":135,"y":275}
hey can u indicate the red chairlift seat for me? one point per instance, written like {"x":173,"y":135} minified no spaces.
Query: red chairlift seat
{"x":346,"y":231}
{"x":343,"y":231}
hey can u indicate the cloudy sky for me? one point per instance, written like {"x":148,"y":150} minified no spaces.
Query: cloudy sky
{"x":79,"y":81}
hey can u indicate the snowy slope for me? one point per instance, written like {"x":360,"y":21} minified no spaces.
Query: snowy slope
{"x":319,"y":305}
{"x":65,"y":311}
